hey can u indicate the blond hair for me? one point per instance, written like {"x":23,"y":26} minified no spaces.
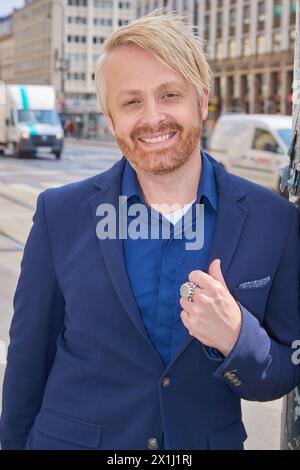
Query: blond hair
{"x":169,"y":38}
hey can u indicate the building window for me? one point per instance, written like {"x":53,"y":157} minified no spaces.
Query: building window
{"x":245,"y":47}
{"x":206,"y":27}
{"x":232,"y":48}
{"x":261,"y":11}
{"x":124,"y":5}
{"x":102,"y":22}
{"x":103,"y":3}
{"x":232,"y":21}
{"x":98,"y":39}
{"x":277,"y":13}
{"x":196,"y":14}
{"x":123,"y":22}
{"x":174,"y":4}
{"x":246,"y":18}
{"x":78,"y":39}
{"x":261,"y":16}
{"x":77,"y":20}
{"x":276,"y":41}
{"x":293,"y":13}
{"x":207,"y":5}
{"x":77,"y":3}
{"x":219,"y":24}
{"x":292,"y":38}
{"x":76,"y":76}
{"x":219,"y":50}
{"x":261,"y":44}
{"x":76,"y":58}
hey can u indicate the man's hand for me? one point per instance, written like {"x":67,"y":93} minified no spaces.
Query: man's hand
{"x":213,"y":317}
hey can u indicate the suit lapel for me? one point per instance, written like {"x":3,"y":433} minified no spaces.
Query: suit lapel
{"x":231,"y":217}
{"x":109,"y":185}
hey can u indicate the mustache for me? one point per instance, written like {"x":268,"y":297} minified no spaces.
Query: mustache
{"x":146,"y":130}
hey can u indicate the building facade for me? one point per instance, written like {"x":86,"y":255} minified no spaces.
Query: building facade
{"x":250,"y":46}
{"x":249,"y":43}
{"x":6,"y":49}
{"x":57,"y":42}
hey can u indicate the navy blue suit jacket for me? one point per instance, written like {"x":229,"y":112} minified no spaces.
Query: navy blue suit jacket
{"x":82,"y":372}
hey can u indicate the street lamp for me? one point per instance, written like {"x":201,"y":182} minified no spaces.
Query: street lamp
{"x":61,"y":62}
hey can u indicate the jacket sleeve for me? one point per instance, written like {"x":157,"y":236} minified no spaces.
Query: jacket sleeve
{"x":261,"y":366}
{"x":37,"y":320}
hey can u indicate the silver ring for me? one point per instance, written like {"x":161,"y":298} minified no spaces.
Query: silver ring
{"x":187,"y":290}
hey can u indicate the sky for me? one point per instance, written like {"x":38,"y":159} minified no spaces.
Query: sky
{"x":6,"y":6}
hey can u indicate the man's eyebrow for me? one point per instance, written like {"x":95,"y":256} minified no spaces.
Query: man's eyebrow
{"x":161,"y":87}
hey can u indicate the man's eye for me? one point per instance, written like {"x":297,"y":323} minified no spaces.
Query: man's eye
{"x":131,"y":102}
{"x":170,"y":95}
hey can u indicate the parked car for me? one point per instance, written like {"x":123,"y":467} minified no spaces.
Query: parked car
{"x":253,"y":146}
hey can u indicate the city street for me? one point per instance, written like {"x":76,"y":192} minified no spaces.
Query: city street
{"x":20,"y":183}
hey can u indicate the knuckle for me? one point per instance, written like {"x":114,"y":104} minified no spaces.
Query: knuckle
{"x":206,"y":300}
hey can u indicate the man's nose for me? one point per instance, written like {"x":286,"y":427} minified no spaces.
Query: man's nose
{"x":153,"y":114}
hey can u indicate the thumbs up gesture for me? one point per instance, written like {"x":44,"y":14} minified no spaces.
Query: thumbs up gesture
{"x":213,"y":317}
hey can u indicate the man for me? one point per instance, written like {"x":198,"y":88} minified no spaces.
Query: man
{"x":105,"y":353}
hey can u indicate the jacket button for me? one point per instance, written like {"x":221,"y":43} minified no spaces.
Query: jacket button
{"x":227,"y":374}
{"x":153,"y":443}
{"x":234,"y":380}
{"x":239,"y":382}
{"x":166,"y":381}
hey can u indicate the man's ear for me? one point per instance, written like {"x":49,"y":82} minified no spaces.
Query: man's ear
{"x":110,"y":124}
{"x":204,"y":104}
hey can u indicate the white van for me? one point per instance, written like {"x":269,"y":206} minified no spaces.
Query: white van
{"x":253,"y":146}
{"x":29,"y":124}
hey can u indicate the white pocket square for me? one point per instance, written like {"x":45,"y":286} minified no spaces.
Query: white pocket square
{"x":256,"y":283}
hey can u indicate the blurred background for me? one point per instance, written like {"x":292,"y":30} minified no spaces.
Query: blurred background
{"x":52,"y":130}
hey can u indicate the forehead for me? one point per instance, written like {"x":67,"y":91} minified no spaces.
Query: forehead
{"x":132,"y":68}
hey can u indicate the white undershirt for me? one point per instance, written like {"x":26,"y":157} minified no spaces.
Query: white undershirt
{"x":174,"y":216}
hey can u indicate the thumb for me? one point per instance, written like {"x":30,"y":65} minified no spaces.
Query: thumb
{"x":215,"y":271}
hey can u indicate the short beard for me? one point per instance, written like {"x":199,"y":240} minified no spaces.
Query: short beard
{"x":164,"y":161}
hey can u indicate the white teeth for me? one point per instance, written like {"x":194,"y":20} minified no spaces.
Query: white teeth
{"x":161,"y":138}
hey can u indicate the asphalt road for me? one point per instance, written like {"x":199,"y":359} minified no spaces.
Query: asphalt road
{"x":20,"y":183}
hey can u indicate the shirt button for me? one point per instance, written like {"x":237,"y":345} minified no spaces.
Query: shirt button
{"x":153,"y":443}
{"x":166,"y":381}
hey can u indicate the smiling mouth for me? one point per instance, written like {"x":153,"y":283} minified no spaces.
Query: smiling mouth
{"x":160,"y":138}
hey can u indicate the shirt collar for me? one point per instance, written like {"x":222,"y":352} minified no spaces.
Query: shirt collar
{"x":207,"y":185}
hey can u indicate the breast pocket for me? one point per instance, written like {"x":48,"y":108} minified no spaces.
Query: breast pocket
{"x":253,"y":299}
{"x":58,"y":431}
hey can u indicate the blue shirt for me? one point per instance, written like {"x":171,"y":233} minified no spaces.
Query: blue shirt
{"x":157,"y":267}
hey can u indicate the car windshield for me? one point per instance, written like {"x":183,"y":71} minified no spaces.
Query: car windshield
{"x":38,"y":116}
{"x":286,"y":136}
